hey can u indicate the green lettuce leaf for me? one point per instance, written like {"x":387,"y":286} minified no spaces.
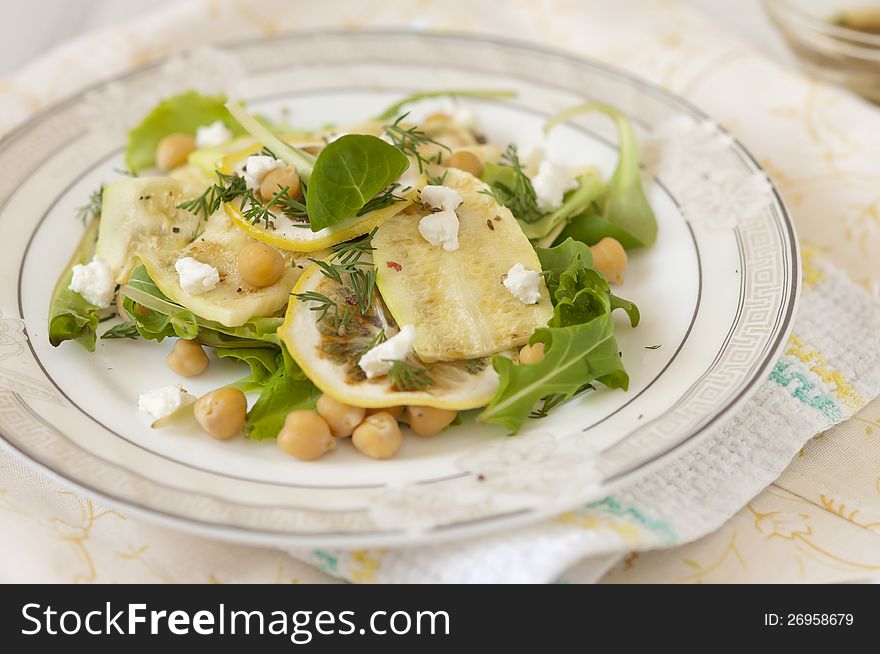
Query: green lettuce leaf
{"x":71,"y":316}
{"x":624,"y":205}
{"x":288,"y":389}
{"x":181,"y":113}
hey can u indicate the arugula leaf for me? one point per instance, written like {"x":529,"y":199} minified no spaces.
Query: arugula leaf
{"x":303,"y":161}
{"x":181,"y":113}
{"x":348,"y":173}
{"x":579,"y":341}
{"x":557,"y":260}
{"x":590,"y":227}
{"x":625,"y":205}
{"x":573,"y":356}
{"x":590,"y":189}
{"x":71,"y":316}
{"x":396,"y":108}
{"x":287,"y":390}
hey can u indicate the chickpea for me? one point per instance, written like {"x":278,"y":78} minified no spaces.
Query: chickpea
{"x":221,"y":413}
{"x":378,"y":436}
{"x":394,"y":411}
{"x":260,"y":265}
{"x":305,"y":435}
{"x":277,"y":179}
{"x":610,"y":259}
{"x":531,"y":353}
{"x":173,"y":150}
{"x":466,"y":161}
{"x":341,"y":418}
{"x":187,"y":358}
{"x":428,"y":421}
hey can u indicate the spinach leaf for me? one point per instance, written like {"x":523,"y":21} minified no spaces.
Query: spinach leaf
{"x":624,"y":205}
{"x":348,"y":173}
{"x":590,"y":189}
{"x":579,"y":341}
{"x":396,"y":109}
{"x":287,"y":390}
{"x":182,"y":113}
{"x":71,"y":316}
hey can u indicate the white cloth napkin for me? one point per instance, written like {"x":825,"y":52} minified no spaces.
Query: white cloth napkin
{"x":822,"y":148}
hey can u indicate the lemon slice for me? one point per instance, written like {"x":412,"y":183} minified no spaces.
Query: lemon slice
{"x":456,"y":300}
{"x":232,"y":302}
{"x":329,"y":356}
{"x":290,"y":235}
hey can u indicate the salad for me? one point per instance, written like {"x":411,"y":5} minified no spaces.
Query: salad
{"x":392,"y":271}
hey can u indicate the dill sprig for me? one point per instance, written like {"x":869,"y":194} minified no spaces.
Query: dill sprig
{"x":554,"y":400}
{"x":408,"y":376}
{"x":437,"y":180}
{"x":323,"y":304}
{"x":384,"y":199}
{"x":409,"y":139}
{"x":123,"y":330}
{"x":233,"y":187}
{"x":521,"y":198}
{"x":228,"y":188}
{"x":92,"y":209}
{"x":354,"y":276}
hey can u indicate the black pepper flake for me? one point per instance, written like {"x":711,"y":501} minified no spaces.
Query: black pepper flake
{"x":176,"y":230}
{"x":497,"y":219}
{"x":238,"y":290}
{"x":490,"y":225}
{"x":481,"y":477}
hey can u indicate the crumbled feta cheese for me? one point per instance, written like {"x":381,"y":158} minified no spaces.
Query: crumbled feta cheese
{"x":94,"y":281}
{"x":257,"y":166}
{"x":441,"y":197}
{"x":378,"y":361}
{"x":209,"y":136}
{"x":523,"y":284}
{"x":550,"y":184}
{"x":440,"y":228}
{"x":162,"y":402}
{"x":196,"y":277}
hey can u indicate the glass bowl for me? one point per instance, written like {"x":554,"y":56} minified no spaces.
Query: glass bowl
{"x":832,"y":39}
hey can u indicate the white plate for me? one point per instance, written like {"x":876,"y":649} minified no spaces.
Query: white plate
{"x":717,"y":293}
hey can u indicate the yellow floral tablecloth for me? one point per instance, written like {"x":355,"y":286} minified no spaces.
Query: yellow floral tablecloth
{"x":820,"y":521}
